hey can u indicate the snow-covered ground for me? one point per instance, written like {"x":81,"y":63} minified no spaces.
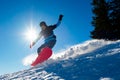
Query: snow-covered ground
{"x":91,"y":60}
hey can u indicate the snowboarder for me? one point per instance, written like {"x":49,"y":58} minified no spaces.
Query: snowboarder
{"x":48,"y":34}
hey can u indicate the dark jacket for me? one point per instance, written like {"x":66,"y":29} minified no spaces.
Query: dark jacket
{"x":48,"y":33}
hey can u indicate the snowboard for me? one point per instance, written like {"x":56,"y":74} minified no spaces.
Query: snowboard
{"x":43,"y":56}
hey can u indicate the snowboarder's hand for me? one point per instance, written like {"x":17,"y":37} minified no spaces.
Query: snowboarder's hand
{"x":60,"y":17}
{"x":32,"y":44}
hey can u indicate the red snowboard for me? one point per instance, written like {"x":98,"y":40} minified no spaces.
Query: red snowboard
{"x":43,"y":56}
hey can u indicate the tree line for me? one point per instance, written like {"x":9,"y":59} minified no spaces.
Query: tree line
{"x":106,"y":19}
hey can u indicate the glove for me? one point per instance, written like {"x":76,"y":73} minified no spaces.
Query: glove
{"x":60,"y":17}
{"x":32,"y":44}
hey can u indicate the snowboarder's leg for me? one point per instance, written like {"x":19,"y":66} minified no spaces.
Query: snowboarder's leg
{"x":40,"y":48}
{"x":49,"y":44}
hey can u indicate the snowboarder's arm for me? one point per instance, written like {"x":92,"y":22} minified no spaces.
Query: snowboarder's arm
{"x":59,"y":20}
{"x":58,"y":23}
{"x":36,"y":40}
{"x":39,"y":36}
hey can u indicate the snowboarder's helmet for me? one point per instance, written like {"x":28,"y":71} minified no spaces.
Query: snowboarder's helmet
{"x":42,"y":23}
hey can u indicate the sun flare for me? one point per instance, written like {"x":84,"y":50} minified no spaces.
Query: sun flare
{"x":31,"y":34}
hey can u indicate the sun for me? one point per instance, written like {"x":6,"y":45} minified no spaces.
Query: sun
{"x":31,"y":34}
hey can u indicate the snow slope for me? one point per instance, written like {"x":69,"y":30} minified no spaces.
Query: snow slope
{"x":91,"y":60}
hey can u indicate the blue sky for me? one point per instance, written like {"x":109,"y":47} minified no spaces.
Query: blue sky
{"x":17,"y":15}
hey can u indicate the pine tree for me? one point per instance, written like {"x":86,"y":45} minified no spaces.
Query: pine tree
{"x":114,"y":10}
{"x":106,"y":19}
{"x":100,"y":21}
